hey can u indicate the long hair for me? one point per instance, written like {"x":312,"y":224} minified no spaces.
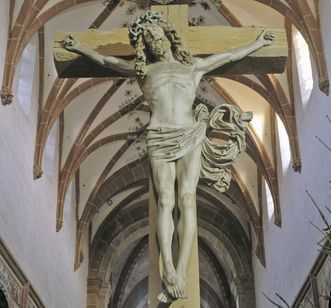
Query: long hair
{"x":179,"y":52}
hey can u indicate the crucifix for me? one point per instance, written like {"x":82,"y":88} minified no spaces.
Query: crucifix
{"x":168,"y":75}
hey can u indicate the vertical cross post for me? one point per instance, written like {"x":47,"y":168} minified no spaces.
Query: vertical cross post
{"x":155,"y":264}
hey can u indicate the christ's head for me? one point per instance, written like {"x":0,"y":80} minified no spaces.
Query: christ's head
{"x":152,"y":37}
{"x":155,"y":41}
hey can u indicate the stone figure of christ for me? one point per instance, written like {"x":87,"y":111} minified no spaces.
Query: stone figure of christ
{"x":168,"y":76}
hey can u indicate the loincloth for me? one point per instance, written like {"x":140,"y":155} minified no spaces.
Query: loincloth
{"x":170,"y":144}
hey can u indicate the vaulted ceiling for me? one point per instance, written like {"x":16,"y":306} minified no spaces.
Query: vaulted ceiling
{"x":96,"y":129}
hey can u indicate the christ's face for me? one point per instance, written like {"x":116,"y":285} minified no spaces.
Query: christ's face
{"x":156,"y":40}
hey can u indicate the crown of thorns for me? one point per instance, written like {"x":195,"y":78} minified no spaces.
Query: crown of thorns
{"x":138,"y":26}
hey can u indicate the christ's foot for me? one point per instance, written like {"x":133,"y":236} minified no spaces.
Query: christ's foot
{"x":163,"y":297}
{"x":181,"y":282}
{"x":170,"y":284}
{"x":174,"y":288}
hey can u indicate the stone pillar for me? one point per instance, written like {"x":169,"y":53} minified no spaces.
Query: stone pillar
{"x":98,"y":293}
{"x":245,"y":291}
{"x":25,"y":295}
{"x":154,"y":280}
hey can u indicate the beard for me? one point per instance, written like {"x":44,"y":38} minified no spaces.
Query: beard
{"x":160,"y":47}
{"x":157,"y":51}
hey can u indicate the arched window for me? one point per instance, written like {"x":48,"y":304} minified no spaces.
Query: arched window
{"x":3,"y":300}
{"x":26,"y":76}
{"x":304,"y":68}
{"x":284,"y":146}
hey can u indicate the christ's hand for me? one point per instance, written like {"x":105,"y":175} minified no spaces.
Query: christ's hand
{"x":120,"y":65}
{"x":266,"y":37}
{"x":71,"y":44}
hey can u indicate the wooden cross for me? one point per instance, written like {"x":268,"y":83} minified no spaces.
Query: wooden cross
{"x":200,"y":40}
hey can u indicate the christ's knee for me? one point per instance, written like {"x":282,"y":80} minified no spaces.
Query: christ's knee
{"x":166,"y":201}
{"x":187,"y":202}
{"x":187,"y":214}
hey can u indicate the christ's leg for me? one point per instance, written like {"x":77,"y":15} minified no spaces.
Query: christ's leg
{"x":188,"y":172}
{"x":164,"y":180}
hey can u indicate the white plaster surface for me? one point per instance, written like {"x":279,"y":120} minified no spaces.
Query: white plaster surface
{"x":292,"y":249}
{"x":74,"y":120}
{"x":28,"y":208}
{"x":253,"y":13}
{"x":92,"y":168}
{"x":247,"y":171}
{"x":249,"y":100}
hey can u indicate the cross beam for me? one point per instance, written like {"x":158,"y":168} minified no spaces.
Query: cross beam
{"x":200,"y":40}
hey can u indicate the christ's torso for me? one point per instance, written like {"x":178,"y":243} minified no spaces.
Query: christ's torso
{"x":170,"y":89}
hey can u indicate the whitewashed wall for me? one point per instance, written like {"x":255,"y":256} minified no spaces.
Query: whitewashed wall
{"x":292,"y":249}
{"x":28,"y":207}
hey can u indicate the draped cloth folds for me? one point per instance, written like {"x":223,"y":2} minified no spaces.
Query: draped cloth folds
{"x":215,"y":158}
{"x":170,"y":144}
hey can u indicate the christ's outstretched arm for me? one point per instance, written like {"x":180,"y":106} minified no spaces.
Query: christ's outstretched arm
{"x":123,"y":66}
{"x":205,"y":65}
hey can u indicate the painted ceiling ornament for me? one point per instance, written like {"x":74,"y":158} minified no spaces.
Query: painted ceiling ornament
{"x":138,"y":26}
